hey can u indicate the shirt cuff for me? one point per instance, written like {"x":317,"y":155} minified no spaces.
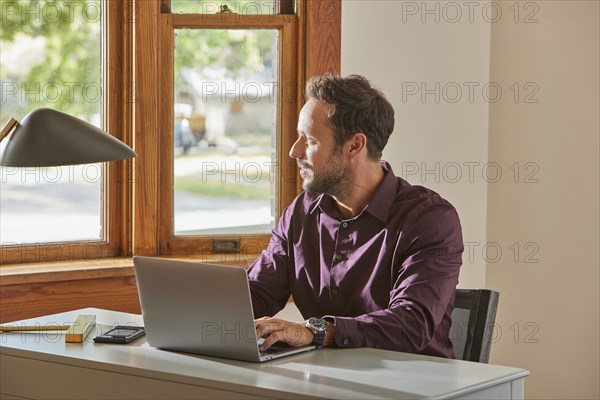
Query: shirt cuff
{"x":347,"y":333}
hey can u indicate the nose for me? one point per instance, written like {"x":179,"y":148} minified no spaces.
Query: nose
{"x":298,"y":149}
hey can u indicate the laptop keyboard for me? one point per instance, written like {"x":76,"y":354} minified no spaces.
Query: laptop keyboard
{"x":276,"y":349}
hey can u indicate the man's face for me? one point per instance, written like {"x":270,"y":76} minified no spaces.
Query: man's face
{"x":322,"y":164}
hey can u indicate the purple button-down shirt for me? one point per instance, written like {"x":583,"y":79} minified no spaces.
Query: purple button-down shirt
{"x":386,"y":277}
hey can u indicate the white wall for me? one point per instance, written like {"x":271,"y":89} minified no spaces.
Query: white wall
{"x":554,"y":220}
{"x":438,"y":142}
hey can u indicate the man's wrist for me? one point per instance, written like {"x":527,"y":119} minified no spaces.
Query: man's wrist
{"x":330,"y":335}
{"x":323,"y":330}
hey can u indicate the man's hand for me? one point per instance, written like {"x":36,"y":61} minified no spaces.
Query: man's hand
{"x":277,"y":330}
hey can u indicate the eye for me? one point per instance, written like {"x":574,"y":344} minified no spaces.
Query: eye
{"x":310,"y":140}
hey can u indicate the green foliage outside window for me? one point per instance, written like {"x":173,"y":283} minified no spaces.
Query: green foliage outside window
{"x":50,"y":56}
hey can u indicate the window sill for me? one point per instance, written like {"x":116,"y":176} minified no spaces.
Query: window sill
{"x":16,"y":274}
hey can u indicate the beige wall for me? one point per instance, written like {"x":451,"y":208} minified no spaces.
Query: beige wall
{"x":545,"y":201}
{"x":558,"y":214}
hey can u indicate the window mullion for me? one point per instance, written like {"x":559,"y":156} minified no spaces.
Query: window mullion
{"x":146,"y":136}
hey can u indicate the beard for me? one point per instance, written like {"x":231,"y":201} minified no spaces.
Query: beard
{"x":332,"y":177}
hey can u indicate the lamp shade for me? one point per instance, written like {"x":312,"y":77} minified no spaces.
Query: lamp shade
{"x":46,"y":137}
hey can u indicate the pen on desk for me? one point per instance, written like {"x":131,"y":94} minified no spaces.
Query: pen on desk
{"x":22,"y":328}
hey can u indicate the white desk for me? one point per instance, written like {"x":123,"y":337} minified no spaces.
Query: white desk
{"x":42,"y":365}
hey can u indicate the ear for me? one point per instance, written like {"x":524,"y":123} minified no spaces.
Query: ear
{"x":357,"y":144}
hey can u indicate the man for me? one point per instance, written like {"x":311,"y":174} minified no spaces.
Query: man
{"x":370,"y":260}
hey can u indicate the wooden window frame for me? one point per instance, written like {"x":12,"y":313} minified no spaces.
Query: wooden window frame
{"x":311,"y":38}
{"x":250,"y":245}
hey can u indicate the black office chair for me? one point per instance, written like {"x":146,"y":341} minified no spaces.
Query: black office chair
{"x":473,"y":323}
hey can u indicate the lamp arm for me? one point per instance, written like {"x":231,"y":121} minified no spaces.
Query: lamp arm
{"x":10,"y":125}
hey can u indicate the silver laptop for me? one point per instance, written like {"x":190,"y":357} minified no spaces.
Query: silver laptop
{"x":201,"y":308}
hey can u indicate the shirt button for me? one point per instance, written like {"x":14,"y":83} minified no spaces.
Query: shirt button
{"x":346,"y":341}
{"x":334,"y":291}
{"x":338,"y":257}
{"x":345,"y":224}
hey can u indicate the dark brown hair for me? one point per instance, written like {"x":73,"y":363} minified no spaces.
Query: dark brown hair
{"x":356,"y":107}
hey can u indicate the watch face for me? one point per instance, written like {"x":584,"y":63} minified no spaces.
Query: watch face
{"x":318,"y":323}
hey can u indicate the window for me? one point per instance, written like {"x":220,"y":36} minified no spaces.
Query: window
{"x":231,"y":122}
{"x":225,"y":132}
{"x":139,"y":65}
{"x":52,"y":56}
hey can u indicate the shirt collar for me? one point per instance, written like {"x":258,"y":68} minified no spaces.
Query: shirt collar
{"x":381,"y":203}
{"x":317,"y":203}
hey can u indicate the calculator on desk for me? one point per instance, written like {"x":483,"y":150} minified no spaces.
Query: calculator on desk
{"x":121,"y":334}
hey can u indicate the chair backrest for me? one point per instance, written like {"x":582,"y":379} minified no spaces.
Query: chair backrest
{"x":473,"y":321}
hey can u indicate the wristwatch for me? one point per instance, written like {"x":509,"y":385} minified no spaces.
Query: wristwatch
{"x":318,"y":326}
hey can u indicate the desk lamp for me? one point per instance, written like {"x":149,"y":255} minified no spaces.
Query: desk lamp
{"x":47,"y":138}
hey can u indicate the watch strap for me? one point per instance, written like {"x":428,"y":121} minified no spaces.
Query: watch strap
{"x":318,"y":338}
{"x":318,"y":327}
